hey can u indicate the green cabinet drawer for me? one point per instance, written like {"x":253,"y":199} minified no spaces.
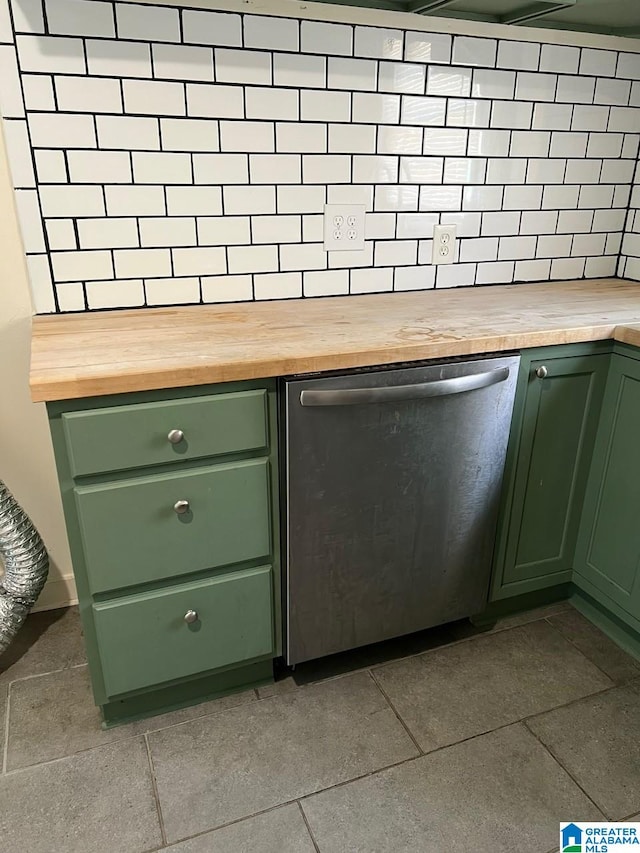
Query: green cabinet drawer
{"x":144,"y":640}
{"x":132,"y":534}
{"x":133,"y":436}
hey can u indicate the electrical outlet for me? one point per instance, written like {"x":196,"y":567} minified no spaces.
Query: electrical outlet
{"x":343,"y":227}
{"x":444,"y":244}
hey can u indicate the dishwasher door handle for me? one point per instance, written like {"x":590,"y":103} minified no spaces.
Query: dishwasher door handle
{"x":394,"y":393}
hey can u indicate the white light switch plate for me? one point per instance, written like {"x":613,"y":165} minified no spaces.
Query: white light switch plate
{"x":444,"y":244}
{"x":343,"y":227}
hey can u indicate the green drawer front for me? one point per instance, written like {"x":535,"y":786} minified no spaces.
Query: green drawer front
{"x":122,"y":437}
{"x":143,"y":640}
{"x":131,"y":533}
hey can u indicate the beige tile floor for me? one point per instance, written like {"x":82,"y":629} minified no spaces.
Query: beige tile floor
{"x":443,"y":741}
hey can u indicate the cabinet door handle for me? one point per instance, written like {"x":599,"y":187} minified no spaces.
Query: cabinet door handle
{"x":181,"y":507}
{"x":175,"y":436}
{"x":191,"y":616}
{"x":542,"y":372}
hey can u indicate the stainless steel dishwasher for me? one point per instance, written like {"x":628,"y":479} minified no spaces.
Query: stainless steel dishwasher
{"x":393,"y":479}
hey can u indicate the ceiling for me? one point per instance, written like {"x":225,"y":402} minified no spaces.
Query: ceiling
{"x":613,"y":17}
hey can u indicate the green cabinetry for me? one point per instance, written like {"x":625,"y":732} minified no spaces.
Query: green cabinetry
{"x":171,"y":505}
{"x":556,"y":414}
{"x":607,"y":565}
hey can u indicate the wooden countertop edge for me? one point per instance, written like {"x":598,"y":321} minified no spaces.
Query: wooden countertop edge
{"x":146,"y":378}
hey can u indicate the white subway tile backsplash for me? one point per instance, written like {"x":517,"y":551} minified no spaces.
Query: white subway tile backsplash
{"x":312,"y":138}
{"x":493,"y":84}
{"x":626,"y":119}
{"x":276,"y":229}
{"x":200,"y":260}
{"x":588,"y":244}
{"x":290,"y":69}
{"x":575,"y":90}
{"x":320,"y":37}
{"x":160,"y":232}
{"x":613,"y":92}
{"x":325,"y":106}
{"x":532,"y":270}
{"x":351,"y":194}
{"x":108,"y":233}
{"x":250,"y":136}
{"x":417,"y":111}
{"x":11,"y":105}
{"x":70,"y":295}
{"x":530,"y":143}
{"x":226,"y":288}
{"x":180,"y":62}
{"x":560,"y":197}
{"x":414,"y":225}
{"x":522,"y":198}
{"x":583,"y":171}
{"x":467,"y":113}
{"x":209,"y":27}
{"x":102,"y":167}
{"x":511,"y":115}
{"x":19,"y":154}
{"x":30,"y":220}
{"x":479,"y":249}
{"x":553,"y":117}
{"x":544,"y":171}
{"x":378,"y":43}
{"x":51,"y":55}
{"x":251,"y":258}
{"x":392,"y":253}
{"x":71,"y":201}
{"x":500,"y":224}
{"x":539,"y":222}
{"x":275,"y":168}
{"x":51,"y":166}
{"x":214,"y":101}
{"x":242,"y":66}
{"x":80,"y":18}
{"x":134,"y":263}
{"x":532,"y":86}
{"x":118,"y":58}
{"x":414,"y":278}
{"x":403,"y":77}
{"x":247,"y":200}
{"x":191,"y":201}
{"x":220,"y":169}
{"x":88,"y":95}
{"x":574,"y":221}
{"x":326,"y":169}
{"x":590,"y":118}
{"x":600,"y":267}
{"x":399,"y":140}
{"x":511,"y":171}
{"x":226,"y":230}
{"x":133,"y":201}
{"x":568,"y":144}
{"x":617,"y":171}
{"x":303,"y":199}
{"x":560,"y":58}
{"x":443,"y":198}
{"x":60,"y":130}
{"x":456,"y":275}
{"x":427,"y":47}
{"x":172,"y":291}
{"x":146,"y":23}
{"x":378,"y":109}
{"x":482,"y":198}
{"x":398,"y":198}
{"x":271,"y":103}
{"x":522,"y":56}
{"x":467,"y":224}
{"x":628,"y":66}
{"x":375,"y":169}
{"x":449,"y":140}
{"x":303,"y":256}
{"x":27,"y":18}
{"x":278,"y":286}
{"x":184,"y":134}
{"x":630,"y":145}
{"x":115,"y":294}
{"x":554,"y":245}
{"x":161,"y":167}
{"x":489,"y":143}
{"x":609,"y":220}
{"x":464,"y":170}
{"x":604,"y":145}
{"x":352,"y":74}
{"x":499,"y":272}
{"x":596,"y":195}
{"x":153,"y":97}
{"x":371,"y":281}
{"x":326,"y":283}
{"x":455,"y":82}
{"x":41,"y":285}
{"x":474,"y":51}
{"x":38,"y":92}
{"x":271,"y":33}
{"x":421,"y":170}
{"x":81,"y":266}
{"x":515,"y":248}
{"x":128,"y":132}
{"x":601,"y":63}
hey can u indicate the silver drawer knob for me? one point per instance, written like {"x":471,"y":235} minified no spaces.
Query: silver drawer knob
{"x":175,"y":436}
{"x":181,"y":507}
{"x":542,"y":372}
{"x":191,"y":616}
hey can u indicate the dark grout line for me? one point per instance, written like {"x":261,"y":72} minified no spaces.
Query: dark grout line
{"x":156,"y":795}
{"x":306,"y":823}
{"x":584,"y":654}
{"x":395,"y":711}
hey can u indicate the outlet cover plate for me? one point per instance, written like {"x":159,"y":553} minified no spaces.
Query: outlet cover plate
{"x":444,"y":244}
{"x":344,"y":227}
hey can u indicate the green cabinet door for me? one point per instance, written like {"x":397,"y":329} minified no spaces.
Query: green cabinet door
{"x":608,"y":551}
{"x":555,"y":422}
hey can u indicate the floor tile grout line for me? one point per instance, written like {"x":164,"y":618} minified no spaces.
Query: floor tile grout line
{"x":395,"y":711}
{"x":306,"y":823}
{"x":583,"y":653}
{"x":156,"y":795}
{"x":550,"y":752}
{"x":33,"y":675}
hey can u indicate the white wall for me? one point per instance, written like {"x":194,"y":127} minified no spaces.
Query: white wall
{"x":26,"y":455}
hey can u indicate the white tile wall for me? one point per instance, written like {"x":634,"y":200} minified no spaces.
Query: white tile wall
{"x":186,"y":155}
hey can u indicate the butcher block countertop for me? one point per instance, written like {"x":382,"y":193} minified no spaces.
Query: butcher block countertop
{"x":86,"y":355}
